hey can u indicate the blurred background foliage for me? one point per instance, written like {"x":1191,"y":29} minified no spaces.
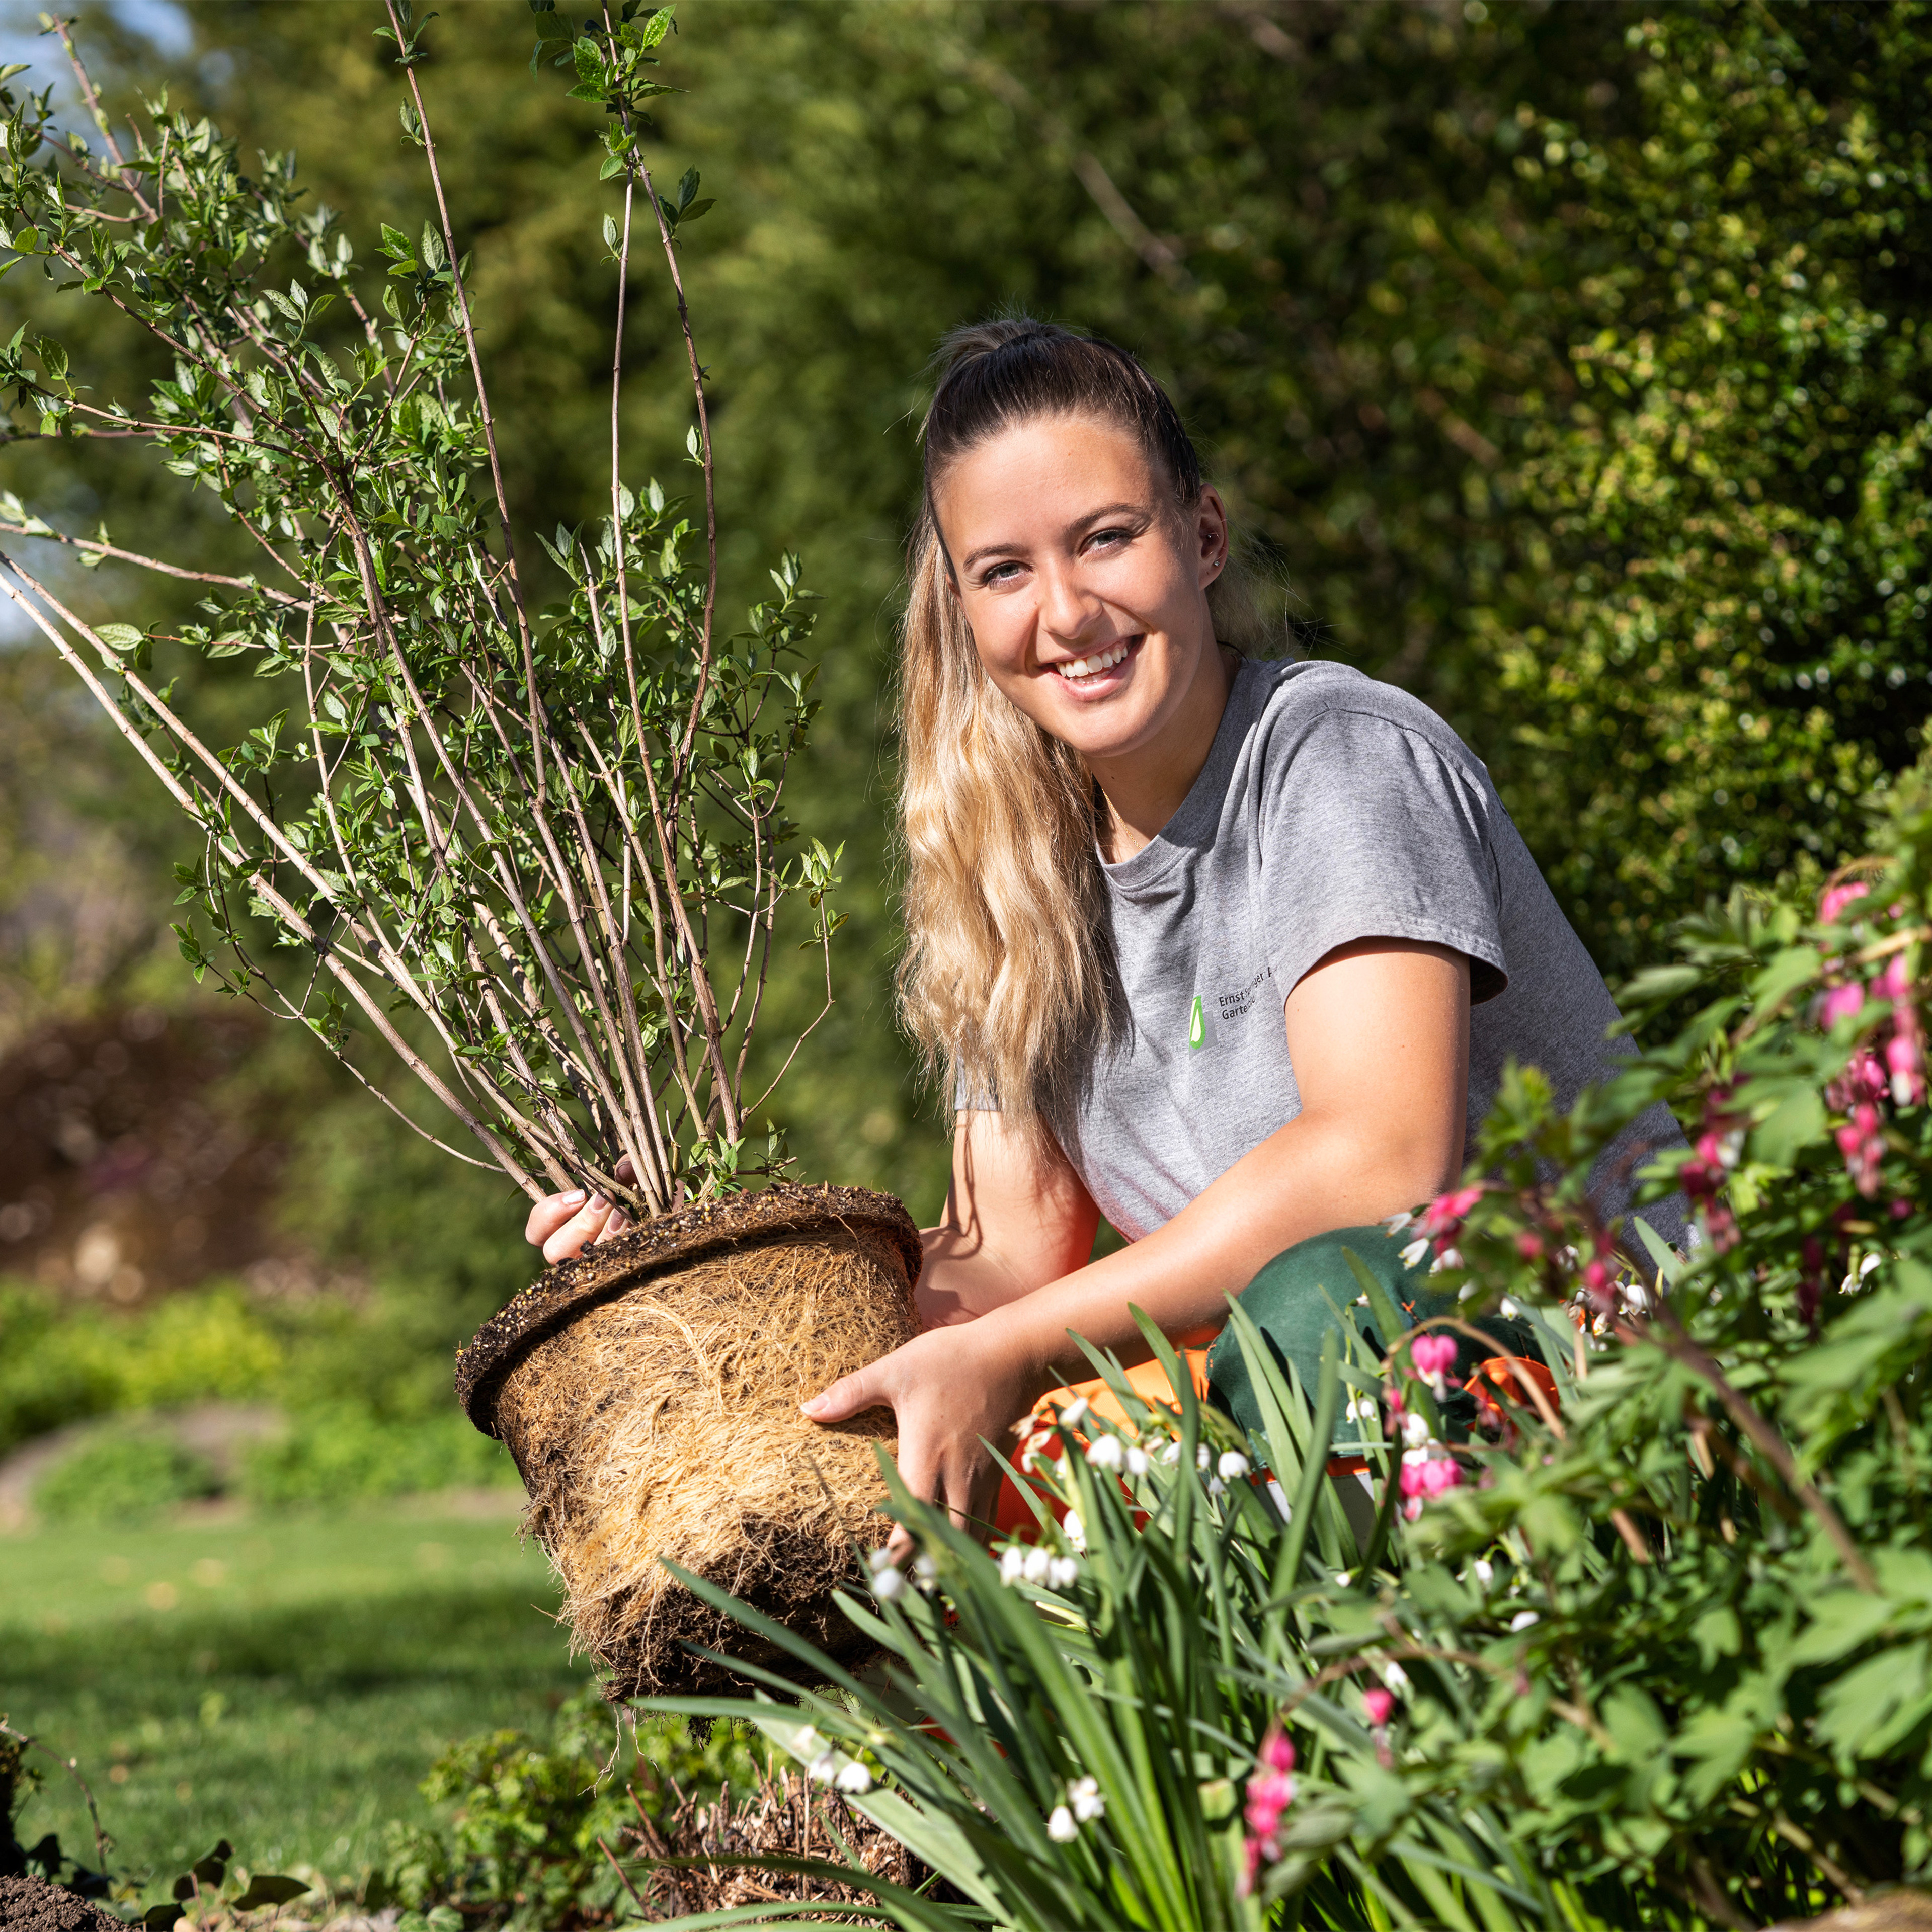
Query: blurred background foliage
{"x":1562,"y":364}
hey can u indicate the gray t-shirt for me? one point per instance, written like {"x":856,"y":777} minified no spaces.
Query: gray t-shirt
{"x":1330,"y":808}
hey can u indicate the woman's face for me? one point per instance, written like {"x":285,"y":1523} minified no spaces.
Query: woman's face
{"x":1086,"y":586}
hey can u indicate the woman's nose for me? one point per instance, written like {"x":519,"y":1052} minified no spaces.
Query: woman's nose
{"x":1067,"y":609}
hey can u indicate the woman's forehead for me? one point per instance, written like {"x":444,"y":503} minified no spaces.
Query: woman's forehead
{"x":1045,"y":459}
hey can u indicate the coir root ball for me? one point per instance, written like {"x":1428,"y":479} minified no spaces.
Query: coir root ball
{"x":649,"y":1392}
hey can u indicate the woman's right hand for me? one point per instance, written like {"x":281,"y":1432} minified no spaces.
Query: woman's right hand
{"x":564,"y":1225}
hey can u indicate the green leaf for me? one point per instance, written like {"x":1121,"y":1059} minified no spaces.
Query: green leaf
{"x":269,"y":1889}
{"x":120,"y":636}
{"x":1796,"y":1121}
{"x":1839,"y":1624}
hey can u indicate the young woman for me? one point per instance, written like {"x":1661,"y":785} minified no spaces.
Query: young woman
{"x":1231,"y":952}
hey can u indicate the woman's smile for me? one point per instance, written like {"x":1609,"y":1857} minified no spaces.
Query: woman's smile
{"x":1100,"y":672}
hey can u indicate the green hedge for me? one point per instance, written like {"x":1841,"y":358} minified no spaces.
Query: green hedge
{"x":366,"y":1392}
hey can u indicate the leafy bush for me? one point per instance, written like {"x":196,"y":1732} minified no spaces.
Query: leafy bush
{"x":520,"y":1847}
{"x":344,"y":1451}
{"x":123,"y":1474}
{"x":1714,"y":640}
{"x":368,"y":1388}
{"x":1656,"y":1653}
{"x":61,"y":1364}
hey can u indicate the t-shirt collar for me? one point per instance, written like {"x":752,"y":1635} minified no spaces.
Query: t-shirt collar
{"x":1199,"y":817}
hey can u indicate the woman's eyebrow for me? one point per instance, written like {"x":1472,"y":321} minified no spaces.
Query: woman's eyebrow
{"x":1079,"y":523}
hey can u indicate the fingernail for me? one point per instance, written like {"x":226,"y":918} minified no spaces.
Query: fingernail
{"x":574,"y":1198}
{"x":617,"y":1223}
{"x":599,"y":1202}
{"x":812,"y":1407}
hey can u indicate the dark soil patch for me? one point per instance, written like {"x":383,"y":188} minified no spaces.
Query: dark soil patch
{"x":32,"y":1905}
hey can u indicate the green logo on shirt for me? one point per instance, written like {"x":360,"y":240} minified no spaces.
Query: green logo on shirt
{"x":1197,"y":1026}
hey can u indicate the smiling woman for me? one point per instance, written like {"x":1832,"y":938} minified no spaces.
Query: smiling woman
{"x":1233,"y":952}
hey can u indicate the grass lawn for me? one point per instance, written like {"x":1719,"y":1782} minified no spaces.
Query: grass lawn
{"x":281,"y":1681}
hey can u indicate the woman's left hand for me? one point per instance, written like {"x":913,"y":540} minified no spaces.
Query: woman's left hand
{"x":948,"y":1389}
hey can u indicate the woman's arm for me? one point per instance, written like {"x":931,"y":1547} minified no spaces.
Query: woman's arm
{"x":1379,"y":1034}
{"x":1016,"y":1217}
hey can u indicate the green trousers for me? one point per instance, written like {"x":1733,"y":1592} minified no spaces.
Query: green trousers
{"x":1302,"y":1294}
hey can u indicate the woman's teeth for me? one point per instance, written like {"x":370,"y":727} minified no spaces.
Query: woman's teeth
{"x":1088,"y":667}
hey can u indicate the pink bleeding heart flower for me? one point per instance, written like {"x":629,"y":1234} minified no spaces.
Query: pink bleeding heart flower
{"x":1380,"y":1706}
{"x":1598,"y":1278}
{"x":1894,"y":982}
{"x":1253,"y":1871}
{"x":1837,"y":898}
{"x":1444,"y":1216}
{"x":1862,"y":1143}
{"x":1863,"y":1079}
{"x":1433,"y":1355}
{"x":1269,"y":1792}
{"x":1699,"y":1177}
{"x":1721,"y":1224}
{"x":1841,"y":1003}
{"x":1902,"y":1056}
{"x":1529,"y":1245}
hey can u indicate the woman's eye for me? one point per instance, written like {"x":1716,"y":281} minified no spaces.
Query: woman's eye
{"x":999,"y":573}
{"x":1109,"y":539}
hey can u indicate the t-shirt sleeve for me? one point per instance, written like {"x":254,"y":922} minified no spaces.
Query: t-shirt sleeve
{"x":1368,"y":831}
{"x":971,"y":1096}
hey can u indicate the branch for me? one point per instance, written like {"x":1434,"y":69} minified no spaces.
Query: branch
{"x":154,"y":563}
{"x":482,"y":402}
{"x":131,"y":188}
{"x":258,"y":881}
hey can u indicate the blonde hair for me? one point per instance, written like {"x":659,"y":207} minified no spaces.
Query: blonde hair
{"x":1007,"y":983}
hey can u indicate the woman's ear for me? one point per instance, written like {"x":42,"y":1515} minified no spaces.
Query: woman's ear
{"x":1210,"y":526}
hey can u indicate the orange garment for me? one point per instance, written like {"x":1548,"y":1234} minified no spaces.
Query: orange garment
{"x":1502,"y":1374}
{"x":1011,"y":1516}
